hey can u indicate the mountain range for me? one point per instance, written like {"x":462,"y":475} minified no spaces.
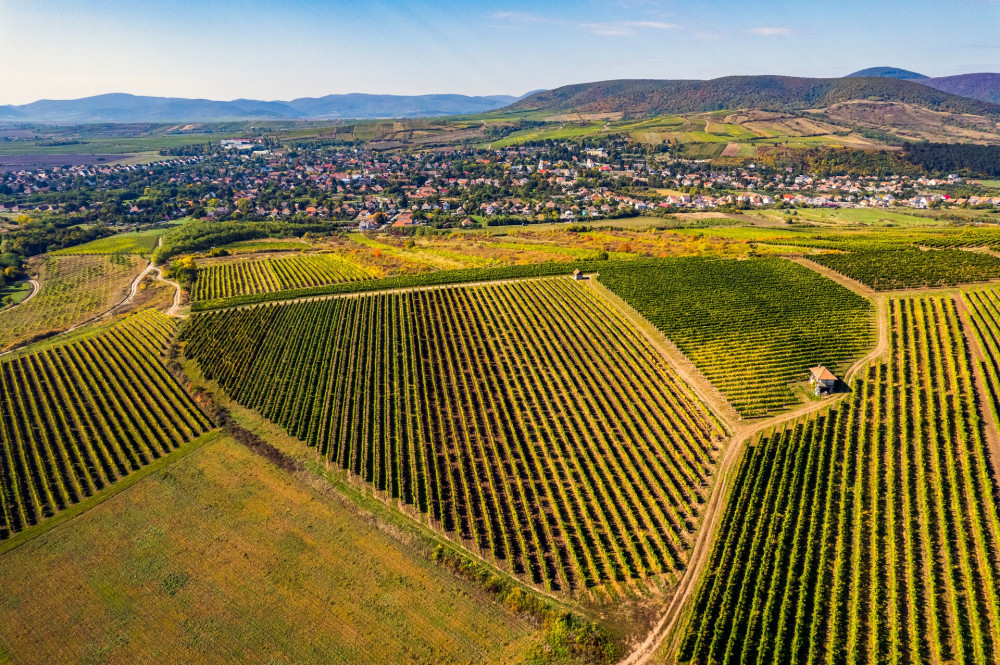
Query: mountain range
{"x":647,"y":97}
{"x":123,"y":108}
{"x":977,"y":94}
{"x":982,"y":86}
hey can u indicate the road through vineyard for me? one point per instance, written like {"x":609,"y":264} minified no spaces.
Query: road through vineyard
{"x":868,"y":533}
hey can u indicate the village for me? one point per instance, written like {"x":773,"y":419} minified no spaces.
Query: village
{"x":371,"y":190}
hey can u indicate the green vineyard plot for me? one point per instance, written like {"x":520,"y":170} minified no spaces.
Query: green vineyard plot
{"x":227,"y":280}
{"x":752,"y":327}
{"x":526,"y":420}
{"x":885,"y":270}
{"x":81,"y":415}
{"x":73,"y":290}
{"x":870,"y":533}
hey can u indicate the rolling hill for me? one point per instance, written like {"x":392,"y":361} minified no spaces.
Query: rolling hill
{"x":985,"y":86}
{"x":124,"y":108}
{"x":888,"y":72}
{"x":641,"y":98}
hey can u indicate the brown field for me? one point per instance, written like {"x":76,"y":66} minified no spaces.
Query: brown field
{"x":732,"y":150}
{"x":223,"y":558}
{"x":917,"y":123}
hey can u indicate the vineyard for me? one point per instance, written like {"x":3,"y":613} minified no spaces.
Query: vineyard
{"x":226,"y":280}
{"x":867,"y":534}
{"x":73,"y":289}
{"x":81,"y":415}
{"x":984,"y":317}
{"x":752,"y":327}
{"x":525,"y":420}
{"x":903,"y":269}
{"x":437,"y":278}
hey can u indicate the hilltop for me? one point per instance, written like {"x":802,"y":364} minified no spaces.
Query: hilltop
{"x":644,"y":98}
{"x":888,"y":72}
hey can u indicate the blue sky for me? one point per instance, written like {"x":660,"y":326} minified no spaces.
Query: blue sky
{"x":281,"y":49}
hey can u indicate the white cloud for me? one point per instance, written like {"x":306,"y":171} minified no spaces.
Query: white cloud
{"x":772,"y":31}
{"x":610,"y":28}
{"x":655,"y":25}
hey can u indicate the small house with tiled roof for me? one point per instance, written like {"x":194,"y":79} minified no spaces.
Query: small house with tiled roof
{"x":823,"y":380}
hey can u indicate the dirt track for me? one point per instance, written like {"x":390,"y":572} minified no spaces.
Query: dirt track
{"x":743,"y":434}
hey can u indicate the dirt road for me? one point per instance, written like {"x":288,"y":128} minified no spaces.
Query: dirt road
{"x":743,"y":434}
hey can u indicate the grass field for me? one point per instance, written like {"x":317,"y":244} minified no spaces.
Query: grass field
{"x":17,"y":291}
{"x":868,"y":533}
{"x":141,"y":242}
{"x":495,"y":411}
{"x":73,"y":290}
{"x":223,"y":558}
{"x":752,"y":327}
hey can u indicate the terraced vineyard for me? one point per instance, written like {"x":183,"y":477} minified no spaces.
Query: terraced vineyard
{"x":73,"y":290}
{"x":868,"y":534}
{"x":885,"y":270}
{"x":80,"y":415}
{"x":752,"y":327}
{"x":225,"y":280}
{"x":526,"y":420}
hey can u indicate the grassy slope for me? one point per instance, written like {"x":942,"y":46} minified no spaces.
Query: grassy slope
{"x":224,"y":558}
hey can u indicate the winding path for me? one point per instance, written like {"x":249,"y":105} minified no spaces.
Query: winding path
{"x":728,"y":463}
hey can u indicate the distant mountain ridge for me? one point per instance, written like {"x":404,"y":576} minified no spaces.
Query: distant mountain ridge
{"x":649,"y":97}
{"x":124,"y":108}
{"x":888,"y":72}
{"x":985,"y":86}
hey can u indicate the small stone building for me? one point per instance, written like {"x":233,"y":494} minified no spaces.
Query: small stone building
{"x":823,"y":380}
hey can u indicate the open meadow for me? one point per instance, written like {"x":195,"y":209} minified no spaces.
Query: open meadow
{"x":223,"y":557}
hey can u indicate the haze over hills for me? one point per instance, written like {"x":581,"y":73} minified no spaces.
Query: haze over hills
{"x":124,"y":108}
{"x":641,"y":98}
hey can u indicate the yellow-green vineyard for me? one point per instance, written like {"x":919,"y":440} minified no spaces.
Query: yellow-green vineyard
{"x":237,"y":278}
{"x":869,"y":533}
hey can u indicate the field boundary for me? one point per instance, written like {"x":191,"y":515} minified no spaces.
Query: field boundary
{"x":680,"y":363}
{"x":111,"y":490}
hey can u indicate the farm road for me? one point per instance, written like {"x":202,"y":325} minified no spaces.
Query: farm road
{"x":745,"y":432}
{"x":742,"y":433}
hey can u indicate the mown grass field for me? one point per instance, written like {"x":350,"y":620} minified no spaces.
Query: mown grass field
{"x":140,"y":242}
{"x":223,"y":558}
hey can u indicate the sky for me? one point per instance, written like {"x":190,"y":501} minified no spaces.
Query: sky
{"x":283,"y":49}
